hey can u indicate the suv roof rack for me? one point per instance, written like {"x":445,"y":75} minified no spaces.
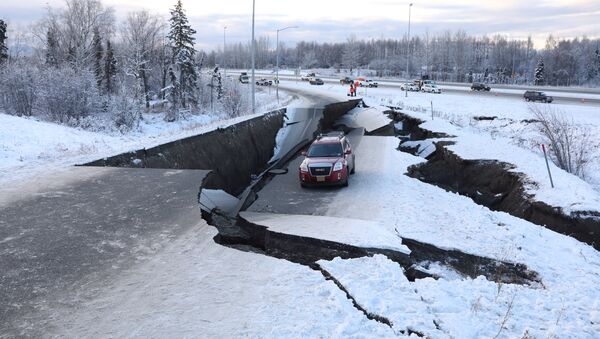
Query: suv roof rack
{"x":339,"y":135}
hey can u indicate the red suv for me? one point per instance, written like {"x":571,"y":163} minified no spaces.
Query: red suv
{"x":328,"y":161}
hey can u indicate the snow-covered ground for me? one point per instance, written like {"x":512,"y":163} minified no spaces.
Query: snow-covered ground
{"x":564,"y":305}
{"x":510,"y":138}
{"x":197,"y":288}
{"x":194,"y":287}
{"x":30,"y":147}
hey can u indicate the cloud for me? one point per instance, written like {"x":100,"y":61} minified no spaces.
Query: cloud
{"x":334,"y":21}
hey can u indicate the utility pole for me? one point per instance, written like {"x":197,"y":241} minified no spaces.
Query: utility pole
{"x":253,"y":61}
{"x":277,"y":69}
{"x":408,"y":50}
{"x":224,"y":57}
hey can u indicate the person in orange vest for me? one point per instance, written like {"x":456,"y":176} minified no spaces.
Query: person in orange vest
{"x":352,"y":89}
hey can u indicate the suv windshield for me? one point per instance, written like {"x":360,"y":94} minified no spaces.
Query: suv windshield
{"x":325,"y":150}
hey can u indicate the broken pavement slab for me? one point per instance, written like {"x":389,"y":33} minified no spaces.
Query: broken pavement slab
{"x":354,"y":232}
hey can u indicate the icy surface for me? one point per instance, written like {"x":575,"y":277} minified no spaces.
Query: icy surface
{"x":198,"y":288}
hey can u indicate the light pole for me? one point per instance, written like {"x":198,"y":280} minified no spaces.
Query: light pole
{"x":277,"y":69}
{"x":408,"y":50}
{"x":224,"y":58}
{"x":253,"y":65}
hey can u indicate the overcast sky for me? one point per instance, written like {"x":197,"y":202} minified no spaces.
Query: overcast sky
{"x":335,"y":20}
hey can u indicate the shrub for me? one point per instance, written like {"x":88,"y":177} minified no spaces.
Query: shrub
{"x":68,"y":96}
{"x":18,"y":89}
{"x":126,"y":114}
{"x":568,"y":143}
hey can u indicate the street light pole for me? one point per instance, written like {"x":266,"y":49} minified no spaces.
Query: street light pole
{"x":408,"y":50}
{"x":277,"y":69}
{"x":224,"y":48}
{"x":253,"y":65}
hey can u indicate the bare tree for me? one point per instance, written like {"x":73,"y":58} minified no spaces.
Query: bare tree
{"x":141,"y":36}
{"x":75,"y":27}
{"x":569,"y":144}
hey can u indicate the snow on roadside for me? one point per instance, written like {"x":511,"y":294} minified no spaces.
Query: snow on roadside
{"x":30,"y":147}
{"x":570,"y":193}
{"x":568,"y":269}
{"x":461,"y":308}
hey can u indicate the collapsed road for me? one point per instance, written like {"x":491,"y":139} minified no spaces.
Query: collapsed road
{"x":90,"y":224}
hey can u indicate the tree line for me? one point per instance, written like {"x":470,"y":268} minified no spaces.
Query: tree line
{"x":87,"y":65}
{"x":449,"y":56}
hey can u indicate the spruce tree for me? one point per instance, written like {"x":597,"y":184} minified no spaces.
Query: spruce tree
{"x":98,"y":53}
{"x":182,"y":72}
{"x":3,"y":37}
{"x":539,"y":72}
{"x":51,"y":48}
{"x":110,"y":67}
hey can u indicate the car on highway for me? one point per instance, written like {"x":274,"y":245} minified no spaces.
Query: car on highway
{"x":264,"y":82}
{"x":308,"y":77}
{"x":362,"y":82}
{"x":427,"y":88}
{"x":537,"y":96}
{"x":346,"y":81}
{"x":477,"y":86}
{"x":316,"y":81}
{"x":407,"y":86}
{"x":244,"y":79}
{"x":328,"y":161}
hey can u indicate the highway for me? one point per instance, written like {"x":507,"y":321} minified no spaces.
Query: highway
{"x":561,"y":95}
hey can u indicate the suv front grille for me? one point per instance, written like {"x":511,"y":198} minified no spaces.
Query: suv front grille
{"x":320,"y":170}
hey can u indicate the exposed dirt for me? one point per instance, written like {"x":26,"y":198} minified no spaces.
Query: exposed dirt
{"x":494,"y":185}
{"x":233,"y":153}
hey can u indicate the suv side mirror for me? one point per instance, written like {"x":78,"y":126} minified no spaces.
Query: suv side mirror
{"x":304,"y":153}
{"x":348,"y":151}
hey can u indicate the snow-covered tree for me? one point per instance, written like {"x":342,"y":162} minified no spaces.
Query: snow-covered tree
{"x":182,"y":72}
{"x":110,"y":68}
{"x":3,"y":37}
{"x":141,"y":32}
{"x":351,"y":55}
{"x":98,"y":53}
{"x":539,"y":73}
{"x":51,"y":48}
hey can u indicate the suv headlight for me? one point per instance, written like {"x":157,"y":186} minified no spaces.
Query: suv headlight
{"x":304,"y":167}
{"x":338,"y":166}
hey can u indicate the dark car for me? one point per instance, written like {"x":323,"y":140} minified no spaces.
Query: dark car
{"x":316,"y":81}
{"x":328,"y":161}
{"x":264,"y":82}
{"x":477,"y":86}
{"x":244,"y":79}
{"x":537,"y":96}
{"x":347,"y":81}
